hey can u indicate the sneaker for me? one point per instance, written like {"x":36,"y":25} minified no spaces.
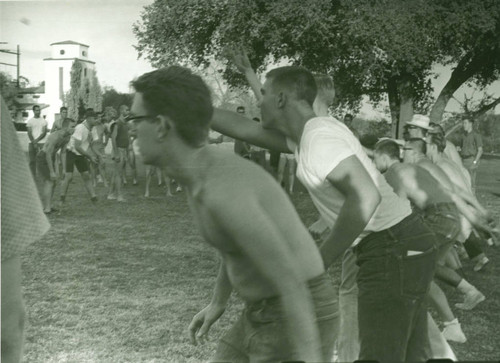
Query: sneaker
{"x":481,"y":263}
{"x":452,"y":332}
{"x":471,"y":300}
{"x":111,"y":196}
{"x":178,"y":189}
{"x":121,"y":199}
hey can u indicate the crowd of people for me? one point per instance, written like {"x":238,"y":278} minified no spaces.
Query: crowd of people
{"x":397,"y":213}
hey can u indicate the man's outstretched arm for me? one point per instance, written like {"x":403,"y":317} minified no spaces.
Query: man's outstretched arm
{"x":239,"y":127}
{"x":361,"y":200}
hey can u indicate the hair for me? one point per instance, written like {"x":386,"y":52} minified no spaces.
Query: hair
{"x":368,"y":141}
{"x":63,"y":109}
{"x":325,"y":90}
{"x":256,"y":119}
{"x":438,"y":139}
{"x":89,"y":112}
{"x":242,"y":108}
{"x":389,"y":148}
{"x":418,"y":144}
{"x":36,"y":106}
{"x":295,"y":79}
{"x":182,"y":96}
{"x":436,"y":125}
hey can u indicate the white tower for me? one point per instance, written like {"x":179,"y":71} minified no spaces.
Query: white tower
{"x":58,"y":73}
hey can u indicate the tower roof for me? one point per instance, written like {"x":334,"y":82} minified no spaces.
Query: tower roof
{"x":69,"y":42}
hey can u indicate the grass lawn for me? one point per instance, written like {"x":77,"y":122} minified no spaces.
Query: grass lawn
{"x":120,"y":282}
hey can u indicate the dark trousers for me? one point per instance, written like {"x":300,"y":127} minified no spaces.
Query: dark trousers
{"x":472,"y":246}
{"x":396,"y":267}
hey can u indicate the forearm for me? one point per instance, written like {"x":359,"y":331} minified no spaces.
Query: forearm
{"x":223,"y":288}
{"x":30,"y":136}
{"x":478,"y":155}
{"x":351,"y":221}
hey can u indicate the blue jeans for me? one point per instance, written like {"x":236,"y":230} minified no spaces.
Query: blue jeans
{"x":396,"y":267}
{"x":259,"y":335}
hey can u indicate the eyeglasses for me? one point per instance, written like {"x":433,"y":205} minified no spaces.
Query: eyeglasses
{"x":137,"y":119}
{"x":407,"y":148}
{"x":411,"y":127}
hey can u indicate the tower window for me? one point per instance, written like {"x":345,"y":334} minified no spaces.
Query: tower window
{"x":84,"y":53}
{"x":61,"y":52}
{"x":85,"y":72}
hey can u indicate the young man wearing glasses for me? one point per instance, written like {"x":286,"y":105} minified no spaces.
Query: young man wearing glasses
{"x":267,"y":255}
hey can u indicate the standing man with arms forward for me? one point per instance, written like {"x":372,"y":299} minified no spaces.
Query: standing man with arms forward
{"x":37,"y":129}
{"x":471,"y":150}
{"x":267,"y":255}
{"x":361,"y":209}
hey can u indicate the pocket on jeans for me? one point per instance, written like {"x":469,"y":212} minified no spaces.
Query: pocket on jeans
{"x":416,"y":273}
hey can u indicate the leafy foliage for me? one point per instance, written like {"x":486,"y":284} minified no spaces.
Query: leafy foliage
{"x":370,"y":47}
{"x":85,"y":91}
{"x":8,"y":89}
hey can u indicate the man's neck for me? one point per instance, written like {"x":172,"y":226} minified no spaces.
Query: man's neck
{"x":296,"y":120}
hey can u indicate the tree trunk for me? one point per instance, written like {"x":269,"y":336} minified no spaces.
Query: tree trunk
{"x":394,"y":105}
{"x":405,"y":114}
{"x":464,"y":70}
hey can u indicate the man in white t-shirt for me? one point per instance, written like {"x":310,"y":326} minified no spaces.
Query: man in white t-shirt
{"x":37,"y":129}
{"x":78,"y":154}
{"x":395,"y":251}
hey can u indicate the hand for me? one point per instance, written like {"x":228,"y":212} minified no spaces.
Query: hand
{"x":53,"y":176}
{"x":240,"y":59}
{"x":201,"y":323}
{"x":474,"y":165}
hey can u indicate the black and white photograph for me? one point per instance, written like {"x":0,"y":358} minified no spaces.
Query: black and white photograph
{"x":250,"y":181}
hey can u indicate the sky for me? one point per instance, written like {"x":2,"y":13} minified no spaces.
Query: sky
{"x":106,"y":26}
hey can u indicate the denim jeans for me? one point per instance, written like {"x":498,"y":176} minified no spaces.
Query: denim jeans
{"x":396,"y":267}
{"x":259,"y":335}
{"x":348,"y":340}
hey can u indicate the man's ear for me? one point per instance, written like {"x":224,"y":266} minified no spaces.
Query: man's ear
{"x":281,"y":99}
{"x":164,"y":126}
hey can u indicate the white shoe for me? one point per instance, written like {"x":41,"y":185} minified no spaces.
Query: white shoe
{"x":481,"y":263}
{"x":111,"y":197}
{"x":471,"y":300}
{"x":452,"y":332}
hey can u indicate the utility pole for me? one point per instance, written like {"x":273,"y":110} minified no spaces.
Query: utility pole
{"x":18,"y":65}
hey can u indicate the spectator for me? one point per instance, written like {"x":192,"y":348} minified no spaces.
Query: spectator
{"x":37,"y":129}
{"x":471,"y":150}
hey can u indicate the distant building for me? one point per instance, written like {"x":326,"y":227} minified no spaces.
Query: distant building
{"x":26,"y":98}
{"x":58,"y":73}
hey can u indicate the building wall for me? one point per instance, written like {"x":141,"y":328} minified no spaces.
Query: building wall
{"x":70,"y":51}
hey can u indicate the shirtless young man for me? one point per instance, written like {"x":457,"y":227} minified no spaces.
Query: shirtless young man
{"x":46,"y":160}
{"x":359,"y":206}
{"x":438,"y":209}
{"x":267,"y":255}
{"x":415,"y":151}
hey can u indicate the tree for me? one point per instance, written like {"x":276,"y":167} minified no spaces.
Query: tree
{"x":383,"y":49}
{"x":8,"y":90}
{"x":113,"y":98}
{"x":85,"y":91}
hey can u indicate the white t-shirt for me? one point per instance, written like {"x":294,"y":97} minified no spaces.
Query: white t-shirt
{"x":81,"y":133}
{"x":37,"y":125}
{"x":325,"y":143}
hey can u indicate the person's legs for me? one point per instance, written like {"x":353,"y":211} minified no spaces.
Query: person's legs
{"x":132,"y":162}
{"x":83,"y":167}
{"x":149,"y":173}
{"x":291,"y":174}
{"x":348,"y":339}
{"x":231,"y":345}
{"x":440,"y":349}
{"x":396,"y":267}
{"x":32,"y":151}
{"x":281,"y":169}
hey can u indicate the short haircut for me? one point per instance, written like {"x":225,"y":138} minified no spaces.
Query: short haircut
{"x":240,"y":108}
{"x":418,"y":144}
{"x":324,"y":88}
{"x":63,"y":109}
{"x":298,"y":80}
{"x":182,"y":96}
{"x":368,"y":140}
{"x":256,"y":119}
{"x":438,"y":139}
{"x":36,"y":106}
{"x":389,"y":148}
{"x":89,"y":112}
